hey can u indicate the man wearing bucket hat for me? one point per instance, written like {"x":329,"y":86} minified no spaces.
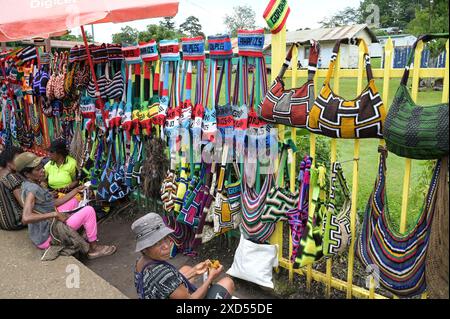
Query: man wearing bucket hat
{"x":155,"y":278}
{"x":40,"y":208}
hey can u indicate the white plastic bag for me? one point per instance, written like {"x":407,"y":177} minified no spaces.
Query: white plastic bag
{"x":254,"y":262}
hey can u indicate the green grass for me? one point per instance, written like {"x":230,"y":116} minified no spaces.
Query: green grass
{"x":369,"y":158}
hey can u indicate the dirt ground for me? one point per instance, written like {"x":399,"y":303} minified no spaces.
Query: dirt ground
{"x":118,"y":269}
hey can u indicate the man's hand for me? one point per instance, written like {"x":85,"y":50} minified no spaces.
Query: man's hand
{"x":201,"y":268}
{"x":214,"y":273}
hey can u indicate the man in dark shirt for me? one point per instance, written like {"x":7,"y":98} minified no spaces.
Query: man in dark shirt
{"x":157,"y":279}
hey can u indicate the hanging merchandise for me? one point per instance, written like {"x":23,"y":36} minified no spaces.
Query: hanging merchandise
{"x":183,"y":235}
{"x":415,"y":131}
{"x":168,"y":191}
{"x":336,"y":228}
{"x":276,"y":14}
{"x":190,"y":213}
{"x":280,"y":199}
{"x":220,"y":49}
{"x":252,"y":227}
{"x":194,"y":51}
{"x":311,"y":241}
{"x":400,"y":258}
{"x":259,"y":133}
{"x":134,"y":164}
{"x":227,"y":206}
{"x":240,"y":108}
{"x":254,"y":262}
{"x":150,"y":58}
{"x":112,"y":184}
{"x":336,"y":117}
{"x":291,"y":107}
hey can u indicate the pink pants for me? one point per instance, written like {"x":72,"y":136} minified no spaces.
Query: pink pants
{"x":85,"y":217}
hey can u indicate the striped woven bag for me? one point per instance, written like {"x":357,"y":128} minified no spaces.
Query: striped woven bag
{"x":399,"y":258}
{"x":252,"y":208}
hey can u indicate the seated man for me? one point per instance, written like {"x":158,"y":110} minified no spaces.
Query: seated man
{"x":157,"y":279}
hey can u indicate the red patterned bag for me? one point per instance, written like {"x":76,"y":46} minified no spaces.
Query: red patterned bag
{"x":290,"y":107}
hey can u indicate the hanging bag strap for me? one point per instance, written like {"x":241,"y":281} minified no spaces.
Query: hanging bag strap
{"x":352,"y":41}
{"x":424,"y":38}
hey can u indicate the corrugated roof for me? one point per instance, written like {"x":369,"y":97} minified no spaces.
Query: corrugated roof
{"x":324,"y":34}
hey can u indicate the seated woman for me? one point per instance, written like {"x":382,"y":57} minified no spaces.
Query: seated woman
{"x":10,"y":183}
{"x":157,"y":279}
{"x":40,"y":208}
{"x":61,"y":170}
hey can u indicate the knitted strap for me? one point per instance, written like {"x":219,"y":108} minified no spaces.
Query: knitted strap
{"x":354,"y":41}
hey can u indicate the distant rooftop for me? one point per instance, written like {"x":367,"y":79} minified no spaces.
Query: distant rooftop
{"x":324,"y":34}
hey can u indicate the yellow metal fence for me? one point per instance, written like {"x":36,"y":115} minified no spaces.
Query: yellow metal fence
{"x":386,"y":73}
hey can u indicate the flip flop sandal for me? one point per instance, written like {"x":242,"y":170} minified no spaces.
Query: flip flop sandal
{"x":103,"y":252}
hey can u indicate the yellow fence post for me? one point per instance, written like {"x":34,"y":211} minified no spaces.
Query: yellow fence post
{"x":292,"y":155}
{"x":278,"y":47}
{"x":351,"y":252}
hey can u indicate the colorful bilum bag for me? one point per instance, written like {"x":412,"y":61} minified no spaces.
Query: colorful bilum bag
{"x":335,"y":117}
{"x":224,"y":115}
{"x":415,"y":131}
{"x":112,"y":186}
{"x":291,"y":107}
{"x":336,"y":227}
{"x":311,"y":243}
{"x":401,"y":259}
{"x":194,"y":199}
{"x":240,"y":108}
{"x":169,"y":189}
{"x":279,"y":200}
{"x":227,"y":206}
{"x":252,"y":227}
{"x":298,"y":216}
{"x":150,"y":57}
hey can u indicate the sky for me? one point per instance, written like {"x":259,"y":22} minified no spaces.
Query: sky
{"x":304,"y":13}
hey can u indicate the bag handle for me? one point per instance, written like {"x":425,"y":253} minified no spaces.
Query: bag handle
{"x":312,"y":61}
{"x":211,"y":82}
{"x":200,"y":82}
{"x":338,"y":174}
{"x":424,"y":38}
{"x":224,"y":73}
{"x":353,"y":41}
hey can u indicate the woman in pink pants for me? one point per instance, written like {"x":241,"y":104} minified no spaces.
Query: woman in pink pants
{"x":40,"y":208}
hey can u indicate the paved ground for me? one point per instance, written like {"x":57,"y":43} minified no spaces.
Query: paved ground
{"x":24,"y":275}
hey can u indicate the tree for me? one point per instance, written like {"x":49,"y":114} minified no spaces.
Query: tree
{"x":393,"y":13}
{"x":158,"y":33}
{"x":192,"y":27}
{"x":126,"y":35}
{"x":168,"y":23}
{"x":431,"y":19}
{"x":72,"y":37}
{"x":347,"y":16}
{"x":243,"y":17}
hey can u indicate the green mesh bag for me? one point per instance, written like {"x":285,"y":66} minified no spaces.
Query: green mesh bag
{"x":414,"y":131}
